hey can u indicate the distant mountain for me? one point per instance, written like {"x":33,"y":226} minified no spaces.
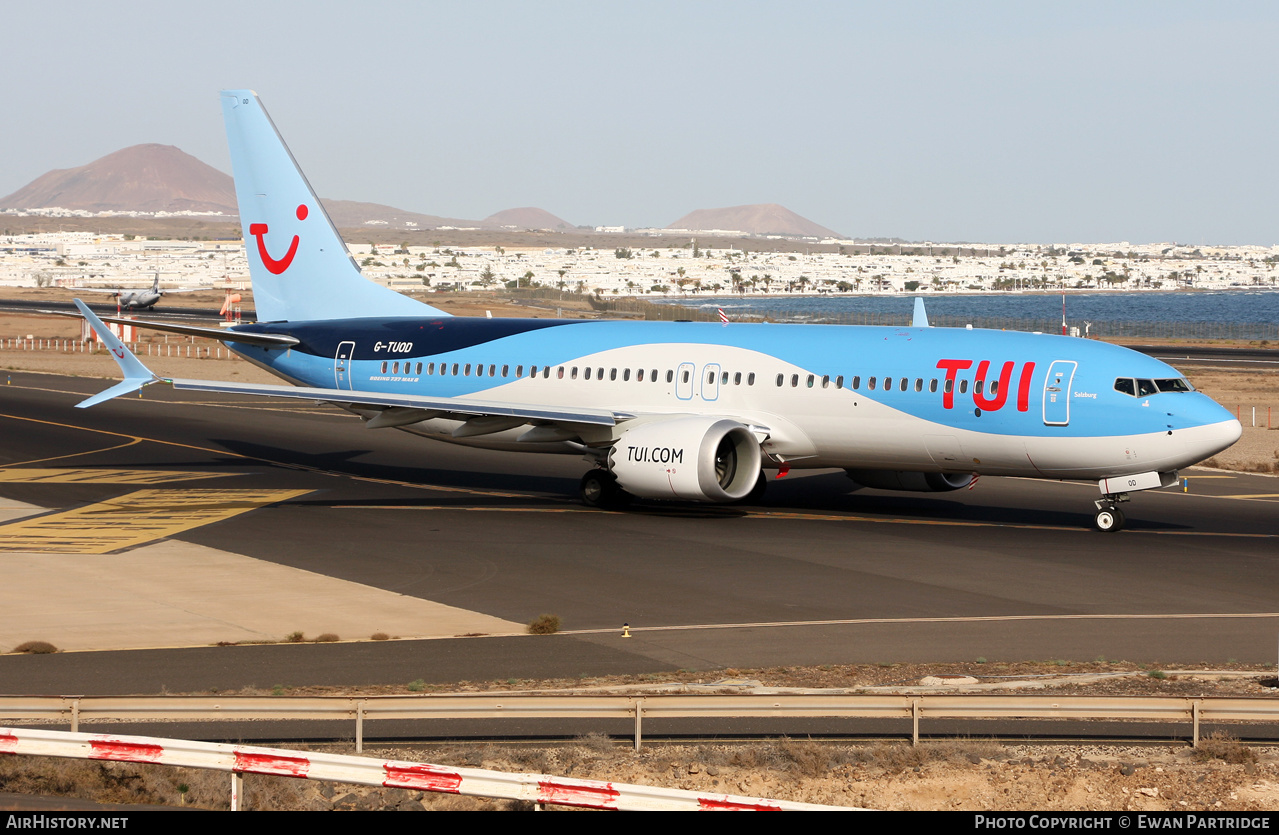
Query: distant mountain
{"x":348,"y":214}
{"x":161,"y":178}
{"x":757,"y":219}
{"x":528,"y":218}
{"x":141,"y":178}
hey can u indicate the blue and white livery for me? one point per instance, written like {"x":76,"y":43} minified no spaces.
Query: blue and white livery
{"x":691,"y":411}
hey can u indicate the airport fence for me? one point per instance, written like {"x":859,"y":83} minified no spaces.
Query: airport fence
{"x":192,"y":350}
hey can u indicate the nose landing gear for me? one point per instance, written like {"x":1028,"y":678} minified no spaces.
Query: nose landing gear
{"x":1109,"y":518}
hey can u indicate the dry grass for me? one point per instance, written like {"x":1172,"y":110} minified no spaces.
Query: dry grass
{"x":36,"y":647}
{"x":1222,"y":746}
{"x":545,"y":625}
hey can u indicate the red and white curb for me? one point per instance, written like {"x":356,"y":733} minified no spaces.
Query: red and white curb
{"x":365,"y":771}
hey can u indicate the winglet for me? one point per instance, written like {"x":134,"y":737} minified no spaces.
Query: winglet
{"x":921,"y":315}
{"x":136,"y":375}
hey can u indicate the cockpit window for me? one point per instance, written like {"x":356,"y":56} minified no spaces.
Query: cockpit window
{"x":1145,"y":388}
{"x":1174,"y":384}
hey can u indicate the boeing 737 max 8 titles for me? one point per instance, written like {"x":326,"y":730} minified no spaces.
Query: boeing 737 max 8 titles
{"x":682,"y":410}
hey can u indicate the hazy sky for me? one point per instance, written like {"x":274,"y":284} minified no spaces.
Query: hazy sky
{"x":998,"y":121}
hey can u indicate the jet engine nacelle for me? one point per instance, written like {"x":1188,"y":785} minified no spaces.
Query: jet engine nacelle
{"x":698,"y":459}
{"x":905,"y":480}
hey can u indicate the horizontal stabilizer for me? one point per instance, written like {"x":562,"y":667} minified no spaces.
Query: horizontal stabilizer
{"x":266,"y":340}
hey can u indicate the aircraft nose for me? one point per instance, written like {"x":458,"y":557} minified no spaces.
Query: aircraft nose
{"x":1207,"y":440}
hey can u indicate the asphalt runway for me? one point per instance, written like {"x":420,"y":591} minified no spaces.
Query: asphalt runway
{"x":819,"y":573}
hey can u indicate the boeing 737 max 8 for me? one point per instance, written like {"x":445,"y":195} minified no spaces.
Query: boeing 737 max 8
{"x":688,"y":411}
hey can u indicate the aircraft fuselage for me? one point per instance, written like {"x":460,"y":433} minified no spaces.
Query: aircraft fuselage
{"x":918,"y":399}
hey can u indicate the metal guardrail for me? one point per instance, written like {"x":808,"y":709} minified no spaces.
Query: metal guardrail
{"x":916,"y":708}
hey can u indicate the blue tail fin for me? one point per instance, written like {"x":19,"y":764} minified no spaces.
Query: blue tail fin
{"x":300,"y":267}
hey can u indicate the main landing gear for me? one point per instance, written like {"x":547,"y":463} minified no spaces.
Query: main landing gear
{"x":1109,"y":517}
{"x":599,"y":488}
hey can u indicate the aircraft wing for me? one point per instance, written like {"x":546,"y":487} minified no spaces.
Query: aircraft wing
{"x":411,"y":407}
{"x":439,"y":405}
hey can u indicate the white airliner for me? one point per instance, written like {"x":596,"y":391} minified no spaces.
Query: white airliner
{"x":139,"y":299}
{"x":681,"y":410}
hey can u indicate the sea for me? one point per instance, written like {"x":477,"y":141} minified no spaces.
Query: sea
{"x":1226,"y":314}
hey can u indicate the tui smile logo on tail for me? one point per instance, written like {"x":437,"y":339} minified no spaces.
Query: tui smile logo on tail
{"x":258,"y":230}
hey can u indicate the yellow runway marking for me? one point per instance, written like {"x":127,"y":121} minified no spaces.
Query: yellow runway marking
{"x":133,"y":519}
{"x":1254,"y":496}
{"x":223,"y":452}
{"x":53,"y":475}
